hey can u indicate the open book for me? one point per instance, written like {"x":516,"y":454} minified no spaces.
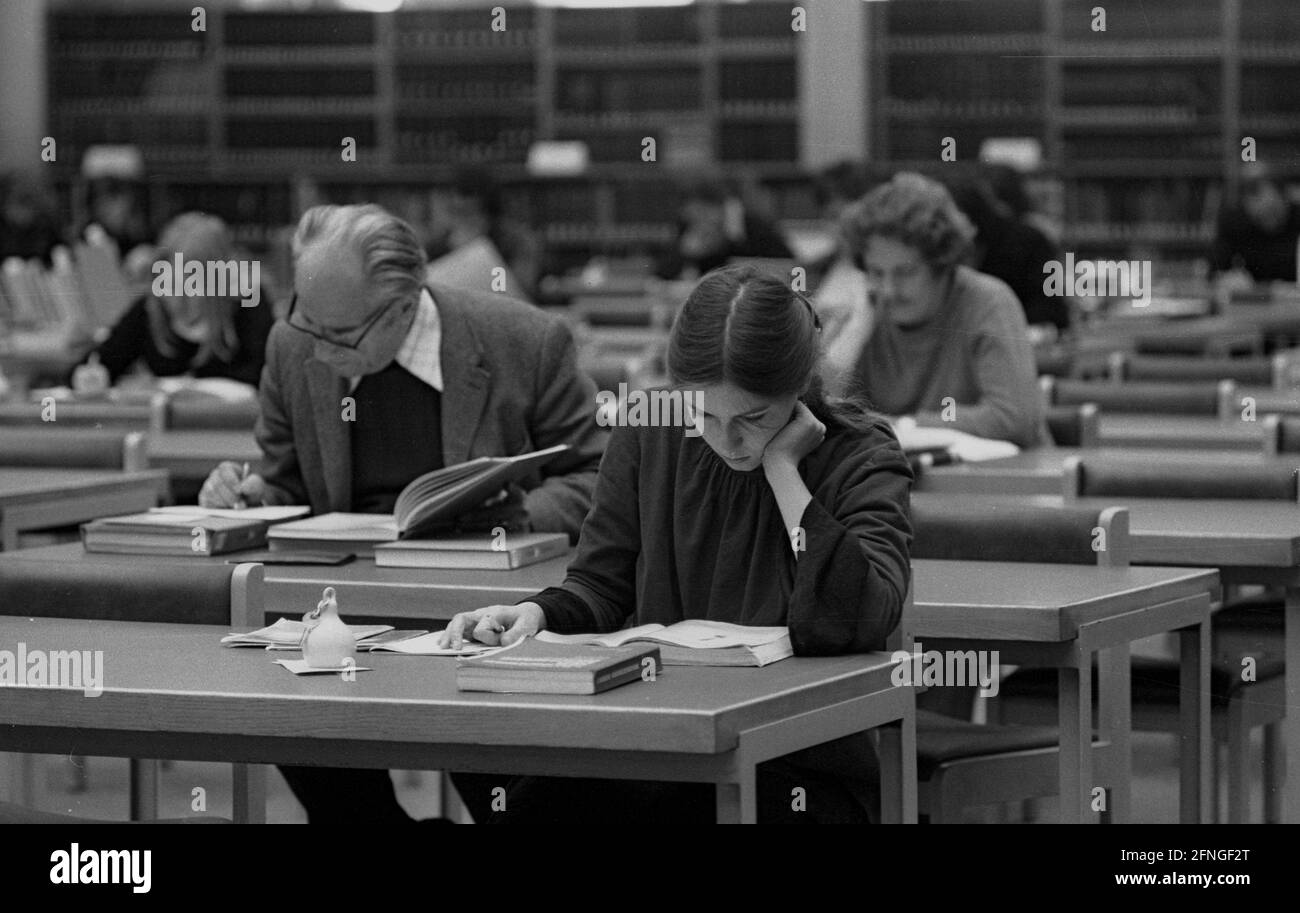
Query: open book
{"x":430,"y":501}
{"x":695,"y":642}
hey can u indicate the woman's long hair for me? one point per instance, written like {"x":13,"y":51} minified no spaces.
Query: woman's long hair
{"x":745,"y":326}
{"x":201,"y":237}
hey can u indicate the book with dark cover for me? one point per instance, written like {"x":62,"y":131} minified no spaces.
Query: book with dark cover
{"x":162,"y":534}
{"x":536,"y":667}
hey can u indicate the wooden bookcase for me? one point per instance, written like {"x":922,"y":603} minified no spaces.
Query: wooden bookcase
{"x":1141,"y":124}
{"x":232,"y":118}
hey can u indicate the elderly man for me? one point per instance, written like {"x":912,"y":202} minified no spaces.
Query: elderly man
{"x":377,"y":378}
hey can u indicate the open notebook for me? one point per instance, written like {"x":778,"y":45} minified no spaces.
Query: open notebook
{"x":695,"y":642}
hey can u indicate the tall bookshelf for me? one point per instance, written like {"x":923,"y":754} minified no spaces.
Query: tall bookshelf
{"x":230,"y":119}
{"x":1141,"y":124}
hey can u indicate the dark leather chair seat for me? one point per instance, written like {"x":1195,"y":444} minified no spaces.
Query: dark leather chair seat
{"x":941,"y":738}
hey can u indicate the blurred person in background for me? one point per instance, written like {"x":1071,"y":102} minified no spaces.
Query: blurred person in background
{"x":1257,"y":238}
{"x":950,"y":347}
{"x":190,"y":335}
{"x":29,"y":224}
{"x":1011,"y":249}
{"x":1012,"y":190}
{"x":840,"y":288}
{"x":715,"y":227}
{"x":469,"y":232}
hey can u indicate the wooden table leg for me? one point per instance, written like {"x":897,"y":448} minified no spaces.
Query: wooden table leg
{"x":249,"y":797}
{"x":144,"y":788}
{"x":1291,"y":801}
{"x":1075,"y":706}
{"x":898,"y":773}
{"x":1115,"y":718}
{"x":1195,"y":792}
{"x":737,"y":800}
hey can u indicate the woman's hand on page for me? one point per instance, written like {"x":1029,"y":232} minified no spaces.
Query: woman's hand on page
{"x":496,"y":625}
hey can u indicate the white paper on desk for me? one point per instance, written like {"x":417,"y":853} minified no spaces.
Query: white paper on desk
{"x":966,"y":447}
{"x":222,"y":388}
{"x":269,"y":514}
{"x":300,"y":667}
{"x":427,"y":645}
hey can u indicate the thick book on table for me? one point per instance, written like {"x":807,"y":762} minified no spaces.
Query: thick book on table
{"x":475,"y":552}
{"x":433,"y":499}
{"x":172,"y":534}
{"x":533,"y":666}
{"x":695,"y":642}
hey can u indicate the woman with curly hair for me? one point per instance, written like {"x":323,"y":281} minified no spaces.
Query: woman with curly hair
{"x":950,"y":346}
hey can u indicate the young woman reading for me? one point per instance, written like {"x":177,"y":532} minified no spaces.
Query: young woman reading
{"x":702,"y":526}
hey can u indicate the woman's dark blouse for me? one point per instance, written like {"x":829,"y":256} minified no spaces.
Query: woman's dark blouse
{"x":130,"y":341}
{"x":674,"y":533}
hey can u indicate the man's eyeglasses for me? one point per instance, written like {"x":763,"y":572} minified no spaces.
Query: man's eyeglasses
{"x":356,"y":336}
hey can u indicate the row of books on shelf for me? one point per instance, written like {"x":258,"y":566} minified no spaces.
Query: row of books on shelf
{"x":484,"y":89}
{"x":981,"y":107}
{"x":512,"y":37}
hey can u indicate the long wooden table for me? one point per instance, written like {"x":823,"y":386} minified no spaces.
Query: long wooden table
{"x":42,"y":498}
{"x":172,"y":691}
{"x":1056,"y":616}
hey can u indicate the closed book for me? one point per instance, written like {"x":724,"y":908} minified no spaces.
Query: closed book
{"x":163,"y":534}
{"x":473,"y":552}
{"x":334,"y":532}
{"x":533,"y":666}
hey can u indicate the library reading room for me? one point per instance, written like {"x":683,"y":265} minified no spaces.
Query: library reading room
{"x":930,"y":369}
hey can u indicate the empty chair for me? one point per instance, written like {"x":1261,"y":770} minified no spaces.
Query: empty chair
{"x":960,"y":763}
{"x":1209,"y":398}
{"x":1074,"y":426}
{"x":66,"y":448}
{"x":105,"y":587}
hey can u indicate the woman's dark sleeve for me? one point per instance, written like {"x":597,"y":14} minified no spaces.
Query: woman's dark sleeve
{"x":253,"y":326}
{"x":851,"y":580}
{"x":599,"y":590}
{"x":127,"y":342}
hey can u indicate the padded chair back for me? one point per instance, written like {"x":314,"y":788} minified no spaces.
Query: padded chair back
{"x":1288,"y":433}
{"x":1208,"y":398}
{"x":112,"y":588}
{"x":203,"y":413}
{"x":1175,"y":368}
{"x":66,"y":448}
{"x":1005,"y":531}
{"x":1074,"y":426}
{"x":139,"y":416}
{"x":1087,"y":477}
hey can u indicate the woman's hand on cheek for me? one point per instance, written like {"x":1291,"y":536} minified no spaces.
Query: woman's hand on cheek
{"x":801,"y":436}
